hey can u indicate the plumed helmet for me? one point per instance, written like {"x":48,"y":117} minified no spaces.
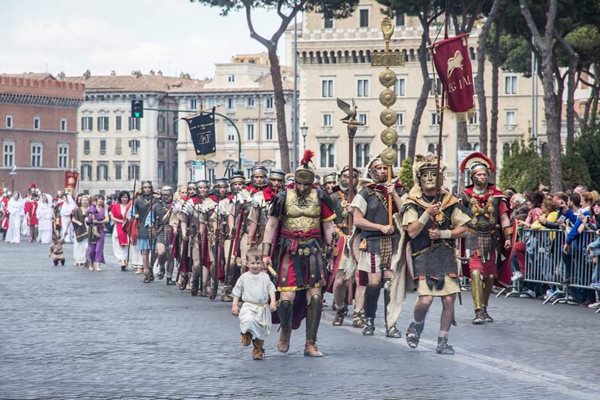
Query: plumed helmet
{"x":305,"y":173}
{"x":475,"y":162}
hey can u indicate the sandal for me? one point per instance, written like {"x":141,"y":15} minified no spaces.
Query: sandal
{"x":413,"y":334}
{"x":393,"y":332}
{"x":357,"y":320}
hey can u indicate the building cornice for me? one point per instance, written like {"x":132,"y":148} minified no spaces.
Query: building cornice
{"x":39,"y":101}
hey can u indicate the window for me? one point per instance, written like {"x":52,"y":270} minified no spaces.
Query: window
{"x":212,"y":175}
{"x":362,"y":118}
{"x":363,"y":18}
{"x":193,"y":104}
{"x":102,"y":172}
{"x":473,"y":119}
{"x":86,"y":172}
{"x":161,"y":122}
{"x":134,"y":145}
{"x":327,"y":120}
{"x":63,"y":124}
{"x":36,"y":123}
{"x":231,"y":78}
{"x":327,"y":155}
{"x":8,"y":153}
{"x":400,"y":20}
{"x":134,"y":124}
{"x":402,"y":152}
{"x":118,"y":123}
{"x":328,"y":20}
{"x":268,"y":131}
{"x":475,"y":146}
{"x":438,"y":84}
{"x":161,"y":171}
{"x":511,"y":117}
{"x":36,"y":155}
{"x":362,"y":88}
{"x":102,"y":124}
{"x":118,"y":146}
{"x":230,"y":104}
{"x":505,"y":150}
{"x":8,"y":122}
{"x":327,"y":88}
{"x":250,"y":132}
{"x":269,"y":103}
{"x":362,"y":154}
{"x":133,"y":172}
{"x":510,"y":84}
{"x":63,"y":155}
{"x":160,"y":144}
{"x":102,"y":146}
{"x":118,"y":172}
{"x":87,"y":124}
{"x":400,"y":119}
{"x":231,"y":133}
{"x":435,"y":118}
{"x":431,"y":148}
{"x":250,"y":101}
{"x":400,"y":87}
{"x":86,"y":147}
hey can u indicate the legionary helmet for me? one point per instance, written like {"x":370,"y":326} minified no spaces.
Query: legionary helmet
{"x":476,"y":162}
{"x":166,"y":190}
{"x":424,"y":163}
{"x":277,"y":173}
{"x":330,"y":178}
{"x":305,"y":173}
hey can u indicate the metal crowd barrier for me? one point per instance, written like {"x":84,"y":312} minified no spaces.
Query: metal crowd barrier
{"x":544,"y":262}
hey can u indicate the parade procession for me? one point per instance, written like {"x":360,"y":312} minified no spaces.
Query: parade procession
{"x":170,"y":231}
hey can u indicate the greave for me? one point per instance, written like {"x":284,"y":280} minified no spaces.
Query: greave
{"x":313,"y":317}
{"x":371,"y":299}
{"x":487,"y":290}
{"x":477,"y":289}
{"x":285,"y":313}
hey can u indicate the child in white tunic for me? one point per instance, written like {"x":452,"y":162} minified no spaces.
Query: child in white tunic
{"x":257,"y":293}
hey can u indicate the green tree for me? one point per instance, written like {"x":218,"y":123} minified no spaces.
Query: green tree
{"x":285,"y":10}
{"x":405,"y":175}
{"x":524,"y":169}
{"x":575,"y":170}
{"x":587,"y":145}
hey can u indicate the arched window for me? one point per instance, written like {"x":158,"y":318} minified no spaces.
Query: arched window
{"x":402,"y":152}
{"x":544,"y":149}
{"x":476,"y":147}
{"x":505,"y":150}
{"x":323,"y":151}
{"x":431,"y":148}
{"x":359,"y":155}
{"x":367,"y":153}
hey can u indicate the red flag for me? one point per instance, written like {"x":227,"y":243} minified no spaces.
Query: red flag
{"x":71,"y":178}
{"x":453,"y":66}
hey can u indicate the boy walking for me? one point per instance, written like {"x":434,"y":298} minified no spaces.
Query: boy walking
{"x":257,"y":293}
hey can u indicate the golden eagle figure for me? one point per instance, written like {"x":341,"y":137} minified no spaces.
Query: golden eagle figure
{"x":349,"y":110}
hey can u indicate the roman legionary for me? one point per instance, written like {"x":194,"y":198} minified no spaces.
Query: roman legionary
{"x":238,"y":223}
{"x":433,"y":223}
{"x":379,"y":239}
{"x":276,"y":179}
{"x":341,"y":196}
{"x":299,"y":227}
{"x":164,"y":224}
{"x":189,"y":221}
{"x":490,"y":221}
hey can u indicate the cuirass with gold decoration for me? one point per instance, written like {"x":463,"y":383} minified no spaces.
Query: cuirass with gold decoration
{"x":302,"y":212}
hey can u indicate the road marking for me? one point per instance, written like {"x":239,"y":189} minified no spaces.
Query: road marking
{"x":566,"y":385}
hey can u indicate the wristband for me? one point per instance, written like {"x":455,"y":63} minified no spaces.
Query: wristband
{"x":446,"y":234}
{"x":424,"y":218}
{"x":266,"y":249}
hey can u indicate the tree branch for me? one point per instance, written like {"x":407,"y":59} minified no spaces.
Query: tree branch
{"x":253,"y":34}
{"x":531,"y":24}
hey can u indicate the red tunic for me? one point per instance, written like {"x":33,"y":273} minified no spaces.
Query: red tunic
{"x":115,"y":210}
{"x":31,"y":212}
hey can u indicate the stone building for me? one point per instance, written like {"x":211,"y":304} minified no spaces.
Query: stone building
{"x":38,"y":130}
{"x":335,"y":62}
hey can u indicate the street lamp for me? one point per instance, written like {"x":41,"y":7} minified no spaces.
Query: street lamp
{"x":12,"y":173}
{"x":304,"y":132}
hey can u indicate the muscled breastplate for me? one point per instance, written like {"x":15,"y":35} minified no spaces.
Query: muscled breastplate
{"x":302,"y":212}
{"x":484,"y":214}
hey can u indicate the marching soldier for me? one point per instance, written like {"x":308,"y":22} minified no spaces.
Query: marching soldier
{"x":489,"y":211}
{"x":378,"y":239}
{"x":433,"y":227}
{"x":303,"y":220}
{"x":189,"y":218}
{"x":163,"y":222}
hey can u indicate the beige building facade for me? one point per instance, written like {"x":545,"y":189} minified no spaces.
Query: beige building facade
{"x":242,"y":93}
{"x":335,"y":62}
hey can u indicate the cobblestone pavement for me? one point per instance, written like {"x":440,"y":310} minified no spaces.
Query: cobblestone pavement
{"x":68,"y":333}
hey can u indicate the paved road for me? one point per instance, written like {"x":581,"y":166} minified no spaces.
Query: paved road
{"x":70,"y":333}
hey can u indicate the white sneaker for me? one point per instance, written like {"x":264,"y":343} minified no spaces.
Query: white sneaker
{"x":516,"y":276}
{"x":528,"y":294}
{"x":594,"y":305}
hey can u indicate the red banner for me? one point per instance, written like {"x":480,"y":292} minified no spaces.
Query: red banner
{"x":71,"y":178}
{"x":453,"y":66}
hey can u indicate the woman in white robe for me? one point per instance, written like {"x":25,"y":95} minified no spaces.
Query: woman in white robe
{"x":66,"y":209}
{"x":16,"y":214}
{"x":44,"y":214}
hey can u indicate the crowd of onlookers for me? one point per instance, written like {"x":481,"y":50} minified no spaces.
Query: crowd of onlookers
{"x":577,"y":213}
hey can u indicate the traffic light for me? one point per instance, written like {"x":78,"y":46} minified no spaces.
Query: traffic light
{"x":137,"y":108}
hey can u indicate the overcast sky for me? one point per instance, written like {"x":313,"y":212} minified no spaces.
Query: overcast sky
{"x":122,"y":35}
